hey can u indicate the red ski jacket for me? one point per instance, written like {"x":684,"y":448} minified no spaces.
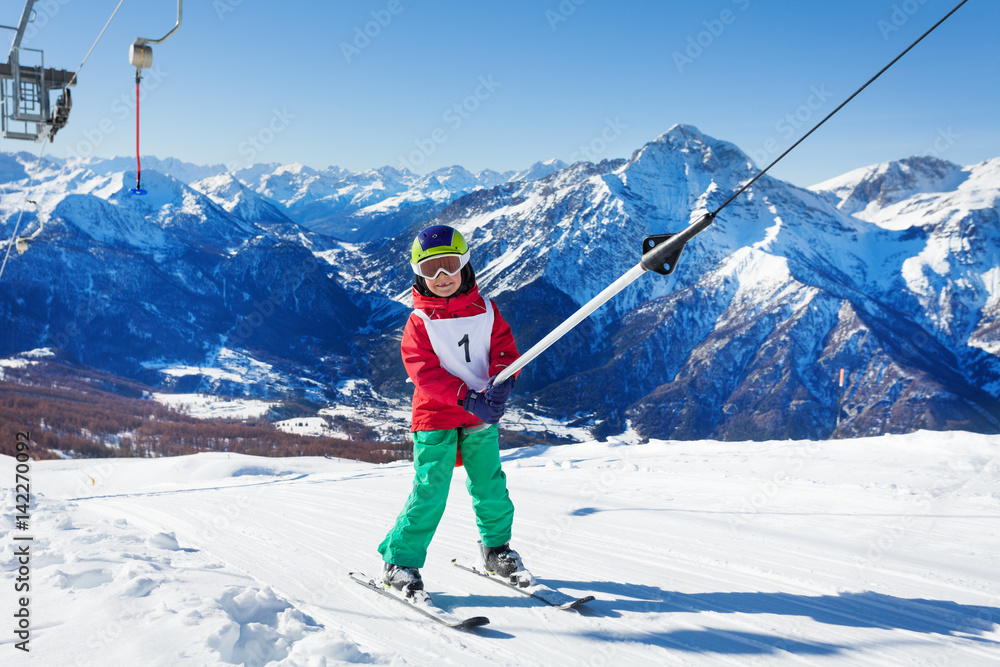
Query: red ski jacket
{"x":437,"y":394}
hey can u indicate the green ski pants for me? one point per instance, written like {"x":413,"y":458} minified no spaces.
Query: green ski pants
{"x":434,"y":454}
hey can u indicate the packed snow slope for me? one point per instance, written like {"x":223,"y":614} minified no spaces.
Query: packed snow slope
{"x":876,"y":551}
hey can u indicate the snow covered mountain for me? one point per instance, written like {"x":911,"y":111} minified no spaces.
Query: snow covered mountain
{"x":890,"y":272}
{"x":348,"y":205}
{"x":240,"y":201}
{"x":162,"y":285}
{"x":767,"y":305}
{"x":952,"y":282}
{"x":539,"y":170}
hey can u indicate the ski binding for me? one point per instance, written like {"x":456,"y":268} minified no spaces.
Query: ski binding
{"x":524,"y":583}
{"x":421,"y":602}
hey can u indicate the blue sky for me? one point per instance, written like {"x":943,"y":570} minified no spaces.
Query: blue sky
{"x":499,"y":85}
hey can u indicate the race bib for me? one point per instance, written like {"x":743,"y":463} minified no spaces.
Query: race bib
{"x":462,"y":344}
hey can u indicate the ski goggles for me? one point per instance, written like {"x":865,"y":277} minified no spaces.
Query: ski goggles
{"x":430,"y":268}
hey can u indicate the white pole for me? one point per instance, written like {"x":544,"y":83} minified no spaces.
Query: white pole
{"x":574,"y":319}
{"x":653,"y":260}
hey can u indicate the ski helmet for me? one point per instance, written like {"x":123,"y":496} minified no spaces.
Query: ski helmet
{"x":441,"y":241}
{"x":437,"y":240}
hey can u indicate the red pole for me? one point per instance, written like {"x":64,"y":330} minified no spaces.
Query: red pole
{"x":840,"y":399}
{"x":138,"y":162}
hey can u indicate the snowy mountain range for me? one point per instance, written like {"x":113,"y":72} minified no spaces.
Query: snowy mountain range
{"x":890,"y":272}
{"x":335,"y":201}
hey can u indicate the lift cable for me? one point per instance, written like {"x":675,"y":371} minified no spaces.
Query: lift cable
{"x":31,"y":181}
{"x":662,"y":251}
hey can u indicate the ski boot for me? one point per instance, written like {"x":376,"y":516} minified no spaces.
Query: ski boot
{"x":504,"y":562}
{"x":404,"y":579}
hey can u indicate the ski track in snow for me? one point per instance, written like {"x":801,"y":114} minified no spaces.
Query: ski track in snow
{"x":878,"y":551}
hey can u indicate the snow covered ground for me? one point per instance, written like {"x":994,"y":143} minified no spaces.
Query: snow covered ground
{"x":314,"y":426}
{"x":872,"y":551}
{"x":207,"y":406}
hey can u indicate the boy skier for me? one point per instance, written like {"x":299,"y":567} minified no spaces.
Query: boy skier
{"x":454,"y":344}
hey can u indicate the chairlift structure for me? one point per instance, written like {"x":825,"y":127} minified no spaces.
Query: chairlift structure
{"x":25,"y":90}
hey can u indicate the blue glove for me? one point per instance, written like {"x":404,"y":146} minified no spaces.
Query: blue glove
{"x":483,"y":408}
{"x":499,"y":393}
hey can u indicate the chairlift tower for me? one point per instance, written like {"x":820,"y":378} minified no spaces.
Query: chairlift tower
{"x":25,"y":89}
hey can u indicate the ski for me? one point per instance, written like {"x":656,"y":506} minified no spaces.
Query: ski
{"x":420,"y":602}
{"x":532,"y":588}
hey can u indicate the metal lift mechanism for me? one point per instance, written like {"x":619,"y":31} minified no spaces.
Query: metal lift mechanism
{"x":140,"y":55}
{"x":24,"y":91}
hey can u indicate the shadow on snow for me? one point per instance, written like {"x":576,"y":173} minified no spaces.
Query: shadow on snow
{"x":850,"y":609}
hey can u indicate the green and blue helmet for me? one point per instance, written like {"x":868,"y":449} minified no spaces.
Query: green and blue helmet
{"x":436,"y":249}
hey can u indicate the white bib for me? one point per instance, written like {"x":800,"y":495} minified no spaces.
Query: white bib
{"x":462,"y":344}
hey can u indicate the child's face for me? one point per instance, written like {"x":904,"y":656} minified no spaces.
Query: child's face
{"x":444,"y":285}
